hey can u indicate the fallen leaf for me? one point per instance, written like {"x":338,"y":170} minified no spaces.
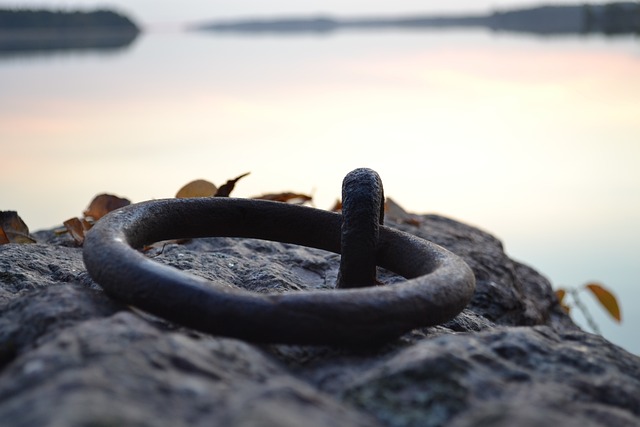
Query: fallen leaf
{"x":287,"y":197}
{"x":394,"y":212}
{"x":607,"y":299}
{"x":3,"y":237}
{"x":337,"y":206}
{"x":14,"y":230}
{"x":77,"y":228}
{"x":161,"y":245}
{"x":197,"y":188}
{"x":560,"y":294}
{"x":228,"y":186}
{"x":102,"y":204}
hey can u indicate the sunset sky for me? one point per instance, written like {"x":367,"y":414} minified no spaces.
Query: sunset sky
{"x":534,"y":139}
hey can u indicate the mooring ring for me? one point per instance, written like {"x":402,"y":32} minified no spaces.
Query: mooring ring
{"x":439,"y":284}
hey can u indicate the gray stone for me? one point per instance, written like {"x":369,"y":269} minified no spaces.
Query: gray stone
{"x":71,"y":356}
{"x":24,"y":268}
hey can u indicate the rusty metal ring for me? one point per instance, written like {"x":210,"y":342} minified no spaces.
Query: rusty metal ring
{"x":439,"y":284}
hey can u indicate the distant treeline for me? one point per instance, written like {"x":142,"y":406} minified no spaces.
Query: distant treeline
{"x":17,"y":20}
{"x":27,"y":32}
{"x":611,"y":18}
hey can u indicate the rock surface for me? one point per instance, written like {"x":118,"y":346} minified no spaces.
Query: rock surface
{"x":70,"y":356}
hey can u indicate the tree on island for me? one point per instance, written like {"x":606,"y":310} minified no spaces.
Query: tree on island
{"x":19,"y":19}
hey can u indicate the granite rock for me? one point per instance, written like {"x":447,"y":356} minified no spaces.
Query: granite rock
{"x":71,"y":356}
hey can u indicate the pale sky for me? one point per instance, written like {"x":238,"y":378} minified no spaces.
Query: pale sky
{"x":149,"y":12}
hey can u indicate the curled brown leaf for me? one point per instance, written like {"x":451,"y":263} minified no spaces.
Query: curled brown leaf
{"x":226,"y":188}
{"x":286,"y":197}
{"x":102,"y":204}
{"x":607,"y":299}
{"x":14,"y":230}
{"x":197,"y":188}
{"x":77,"y":228}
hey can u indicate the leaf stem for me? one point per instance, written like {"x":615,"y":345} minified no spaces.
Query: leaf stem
{"x":585,"y":312}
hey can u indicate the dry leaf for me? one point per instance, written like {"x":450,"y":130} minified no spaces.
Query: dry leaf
{"x":394,"y":212}
{"x":560,"y":294}
{"x":607,"y":299}
{"x":14,"y":230}
{"x":3,"y":237}
{"x":337,"y":206}
{"x":103,"y":204}
{"x":197,"y":188}
{"x":287,"y":197}
{"x":77,"y":228}
{"x":228,"y":186}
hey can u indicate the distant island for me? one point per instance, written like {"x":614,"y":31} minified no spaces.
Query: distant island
{"x":611,"y":18}
{"x":42,"y":30}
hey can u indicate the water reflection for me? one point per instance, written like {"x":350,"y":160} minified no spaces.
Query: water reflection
{"x":534,"y":140}
{"x":42,"y":43}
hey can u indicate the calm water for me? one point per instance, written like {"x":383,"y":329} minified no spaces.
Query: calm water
{"x":536,"y":140}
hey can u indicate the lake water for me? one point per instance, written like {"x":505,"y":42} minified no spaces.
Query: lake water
{"x":536,"y":140}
